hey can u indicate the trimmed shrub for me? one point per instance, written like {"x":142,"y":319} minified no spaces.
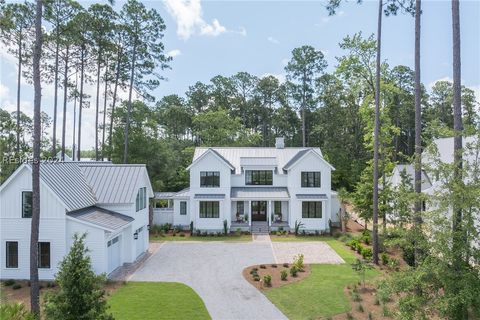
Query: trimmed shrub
{"x":274,"y":265}
{"x":353,"y":244}
{"x":366,"y":253}
{"x":16,"y":286}
{"x":262,"y":266}
{"x":9,"y":282}
{"x":256,"y":278}
{"x":267,"y":280}
{"x":285,"y":265}
{"x":284,"y":275}
{"x":359,"y":248}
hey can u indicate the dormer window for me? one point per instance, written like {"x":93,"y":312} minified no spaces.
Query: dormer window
{"x":311,"y":179}
{"x":209,"y":179}
{"x":259,"y":177}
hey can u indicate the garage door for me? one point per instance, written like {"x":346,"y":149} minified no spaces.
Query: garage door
{"x":140,"y":242}
{"x":113,"y":247}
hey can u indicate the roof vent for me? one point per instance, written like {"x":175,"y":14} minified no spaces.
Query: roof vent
{"x":280,"y":142}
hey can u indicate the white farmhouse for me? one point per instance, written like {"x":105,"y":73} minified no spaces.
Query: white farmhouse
{"x":257,"y":189}
{"x":108,"y":202}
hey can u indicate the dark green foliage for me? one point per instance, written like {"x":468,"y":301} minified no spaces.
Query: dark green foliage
{"x":284,"y":275}
{"x":191,"y":228}
{"x":16,"y":286}
{"x":225,"y":227}
{"x":366,"y":253}
{"x":384,"y":258}
{"x":9,"y":282}
{"x":267,"y":280}
{"x":81,"y":294}
{"x":293,"y":271}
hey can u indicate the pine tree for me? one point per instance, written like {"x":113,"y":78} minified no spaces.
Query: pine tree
{"x":80,"y":294}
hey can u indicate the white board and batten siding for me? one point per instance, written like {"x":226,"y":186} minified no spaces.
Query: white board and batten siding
{"x":15,"y":228}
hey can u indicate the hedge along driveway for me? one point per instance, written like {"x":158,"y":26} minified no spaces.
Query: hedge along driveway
{"x":321,"y":294}
{"x":156,"y":300}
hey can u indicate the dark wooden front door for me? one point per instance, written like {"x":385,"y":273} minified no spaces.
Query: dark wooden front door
{"x":259,"y":210}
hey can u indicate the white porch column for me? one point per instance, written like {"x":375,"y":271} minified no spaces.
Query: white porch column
{"x":269,"y":212}
{"x":249,"y":212}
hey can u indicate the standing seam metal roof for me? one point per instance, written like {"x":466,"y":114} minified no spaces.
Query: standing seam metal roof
{"x":259,"y":192}
{"x":106,"y":219}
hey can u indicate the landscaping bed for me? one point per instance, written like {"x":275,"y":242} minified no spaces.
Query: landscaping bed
{"x":275,"y":272}
{"x":185,"y":236}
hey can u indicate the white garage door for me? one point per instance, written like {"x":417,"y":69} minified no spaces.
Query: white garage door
{"x":140,"y":242}
{"x":113,"y":254}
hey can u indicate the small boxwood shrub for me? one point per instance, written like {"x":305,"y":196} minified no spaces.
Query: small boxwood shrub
{"x":284,"y":275}
{"x":267,"y":280}
{"x":285,"y":265}
{"x":262,"y":266}
{"x":16,"y":286}
{"x":366,"y":253}
{"x":274,"y":265}
{"x":256,"y":278}
{"x":9,"y":282}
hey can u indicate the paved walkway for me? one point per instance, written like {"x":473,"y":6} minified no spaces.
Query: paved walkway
{"x":214,"y":271}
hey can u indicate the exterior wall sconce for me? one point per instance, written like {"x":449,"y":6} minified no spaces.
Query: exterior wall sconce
{"x":135,"y":235}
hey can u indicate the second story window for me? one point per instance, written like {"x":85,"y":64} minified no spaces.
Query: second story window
{"x":209,"y":179}
{"x":26,"y":204}
{"x":259,"y":177}
{"x":311,"y":179}
{"x":141,"y":200}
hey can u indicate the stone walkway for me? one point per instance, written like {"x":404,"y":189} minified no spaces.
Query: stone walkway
{"x":214,"y":271}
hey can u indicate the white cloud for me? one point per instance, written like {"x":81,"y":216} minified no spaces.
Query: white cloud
{"x":285,"y":61}
{"x":174,"y":53}
{"x":326,"y":19}
{"x":273,"y":40}
{"x":431,"y":84}
{"x":188,"y":15}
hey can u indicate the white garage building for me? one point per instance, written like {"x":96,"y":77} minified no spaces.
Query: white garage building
{"x":108,"y":202}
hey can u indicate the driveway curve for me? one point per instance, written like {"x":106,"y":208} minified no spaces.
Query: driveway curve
{"x":214,"y":271}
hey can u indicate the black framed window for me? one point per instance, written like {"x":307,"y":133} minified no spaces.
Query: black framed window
{"x":311,"y":179}
{"x":141,"y":200}
{"x":259,"y":177}
{"x":209,"y":179}
{"x":12,"y":254}
{"x":278,"y":207}
{"x":209,"y":209}
{"x":240,"y":207}
{"x":27,"y":204}
{"x":44,"y":255}
{"x":311,"y":209}
{"x":183,"y":208}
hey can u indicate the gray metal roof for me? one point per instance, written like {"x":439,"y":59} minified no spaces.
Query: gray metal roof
{"x":164,"y":195}
{"x":67,"y":181}
{"x":101,"y":217}
{"x":209,"y":196}
{"x":259,"y":193}
{"x":233,"y":155}
{"x":183,"y":193}
{"x":113,"y":183}
{"x":311,"y":196}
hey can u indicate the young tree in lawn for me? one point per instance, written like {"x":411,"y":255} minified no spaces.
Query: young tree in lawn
{"x":81,"y":294}
{"x":146,"y":50}
{"x":304,"y":67}
{"x":35,"y":223}
{"x":16,"y":23}
{"x":102,"y":17}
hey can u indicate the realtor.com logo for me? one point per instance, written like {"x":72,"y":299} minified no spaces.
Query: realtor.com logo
{"x":30,"y":160}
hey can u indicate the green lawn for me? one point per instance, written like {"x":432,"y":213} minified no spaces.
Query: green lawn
{"x":234,"y":238}
{"x":156,"y":300}
{"x":321,"y":294}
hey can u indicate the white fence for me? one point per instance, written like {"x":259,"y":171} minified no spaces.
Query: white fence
{"x":162,"y":215}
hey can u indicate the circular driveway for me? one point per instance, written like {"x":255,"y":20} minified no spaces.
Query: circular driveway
{"x":214,"y":271}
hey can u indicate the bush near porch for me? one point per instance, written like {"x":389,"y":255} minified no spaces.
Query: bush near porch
{"x":156,"y":300}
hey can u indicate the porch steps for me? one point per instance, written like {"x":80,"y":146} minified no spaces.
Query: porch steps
{"x":258,"y":227}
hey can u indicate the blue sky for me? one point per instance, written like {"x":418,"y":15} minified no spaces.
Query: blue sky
{"x":224,"y":37}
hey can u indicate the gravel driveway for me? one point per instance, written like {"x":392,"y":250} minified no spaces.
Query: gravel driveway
{"x":214,"y":271}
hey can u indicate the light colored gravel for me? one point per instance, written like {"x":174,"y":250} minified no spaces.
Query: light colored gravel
{"x":214,"y":271}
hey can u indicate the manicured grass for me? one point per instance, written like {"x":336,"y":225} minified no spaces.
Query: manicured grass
{"x":321,"y":294}
{"x":243,"y":237}
{"x":156,"y":300}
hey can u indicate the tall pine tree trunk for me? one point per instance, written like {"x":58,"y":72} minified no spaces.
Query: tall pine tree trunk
{"x":457,"y":229}
{"x":418,"y":131}
{"x":35,"y":223}
{"x":97,"y":101}
{"x":55,"y":100}
{"x":65,"y":98}
{"x":112,"y":112}
{"x":105,"y":98}
{"x":19,"y":76}
{"x":80,"y":106}
{"x":129,"y":106}
{"x":377,"y":135}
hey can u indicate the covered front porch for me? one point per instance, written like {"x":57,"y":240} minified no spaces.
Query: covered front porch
{"x":260,"y":205}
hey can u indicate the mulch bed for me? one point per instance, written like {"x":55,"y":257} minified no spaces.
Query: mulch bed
{"x":274,"y":272}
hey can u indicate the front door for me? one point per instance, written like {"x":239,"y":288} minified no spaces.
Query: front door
{"x":259,"y":210}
